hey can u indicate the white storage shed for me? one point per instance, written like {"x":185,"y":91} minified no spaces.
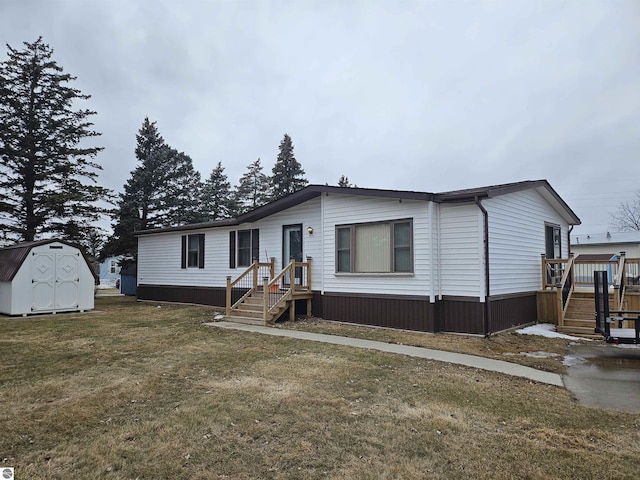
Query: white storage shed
{"x":46,"y":276}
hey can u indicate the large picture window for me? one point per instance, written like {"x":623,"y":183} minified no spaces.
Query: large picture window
{"x":383,"y":247}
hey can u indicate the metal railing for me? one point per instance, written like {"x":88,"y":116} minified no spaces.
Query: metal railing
{"x":296,"y":276}
{"x":247,"y":283}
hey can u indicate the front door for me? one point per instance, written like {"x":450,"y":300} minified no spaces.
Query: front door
{"x":553,"y":249}
{"x":292,"y":248}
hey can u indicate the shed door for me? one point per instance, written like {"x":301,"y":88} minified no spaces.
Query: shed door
{"x":43,"y":270}
{"x":55,"y":282}
{"x":67,"y":281}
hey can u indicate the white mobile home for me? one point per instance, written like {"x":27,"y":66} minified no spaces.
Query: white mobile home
{"x":462,"y":261}
{"x":47,"y":276}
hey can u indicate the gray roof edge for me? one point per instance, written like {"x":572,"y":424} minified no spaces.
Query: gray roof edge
{"x":491,"y":191}
{"x":313,"y":191}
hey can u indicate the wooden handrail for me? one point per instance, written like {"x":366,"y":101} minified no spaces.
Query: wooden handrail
{"x":562,"y":305}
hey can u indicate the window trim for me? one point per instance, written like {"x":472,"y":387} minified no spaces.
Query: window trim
{"x":352,"y":248}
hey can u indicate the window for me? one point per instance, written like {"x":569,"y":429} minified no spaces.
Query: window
{"x":383,"y":247}
{"x":193,"y":251}
{"x":113,"y":266}
{"x":244,"y":247}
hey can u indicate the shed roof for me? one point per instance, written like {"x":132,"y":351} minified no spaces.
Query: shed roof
{"x":454,"y":196}
{"x":12,"y":257}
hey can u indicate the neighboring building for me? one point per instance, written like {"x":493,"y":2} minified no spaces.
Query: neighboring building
{"x":110,"y":272}
{"x":607,"y":243}
{"x":48,"y":276}
{"x":462,"y":261}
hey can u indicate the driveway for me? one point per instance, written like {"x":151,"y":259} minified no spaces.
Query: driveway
{"x":604,"y":376}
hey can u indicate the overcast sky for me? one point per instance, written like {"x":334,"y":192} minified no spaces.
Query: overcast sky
{"x":411,"y":95}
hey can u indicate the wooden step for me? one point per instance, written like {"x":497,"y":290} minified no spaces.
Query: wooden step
{"x":578,"y":322}
{"x":253,"y":307}
{"x":237,"y":312}
{"x":244,"y":320}
{"x":584,"y":332}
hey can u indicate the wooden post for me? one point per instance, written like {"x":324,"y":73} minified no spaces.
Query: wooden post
{"x":292,"y":309}
{"x":256,"y":269}
{"x":265,"y":304}
{"x":544,"y":271}
{"x":228,"y":299}
{"x":309,"y":273}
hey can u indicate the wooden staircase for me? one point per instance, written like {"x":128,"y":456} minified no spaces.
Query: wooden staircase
{"x":580,"y":319}
{"x":262,"y":303}
{"x":251,"y":310}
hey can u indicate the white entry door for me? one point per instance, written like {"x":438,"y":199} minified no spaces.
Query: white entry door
{"x":292,"y":248}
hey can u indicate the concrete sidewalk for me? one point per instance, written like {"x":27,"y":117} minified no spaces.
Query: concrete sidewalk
{"x":419,"y":352}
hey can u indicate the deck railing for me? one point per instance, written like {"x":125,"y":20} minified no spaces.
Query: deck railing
{"x":565,"y":275}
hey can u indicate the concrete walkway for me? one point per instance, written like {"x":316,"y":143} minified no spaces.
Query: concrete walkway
{"x":419,"y":352}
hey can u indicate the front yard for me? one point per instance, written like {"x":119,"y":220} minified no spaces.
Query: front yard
{"x":140,"y":390}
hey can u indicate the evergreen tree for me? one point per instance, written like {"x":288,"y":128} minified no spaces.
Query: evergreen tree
{"x":217,"y":198}
{"x":253,"y":189}
{"x":288,"y":175}
{"x":47,"y":173}
{"x":344,"y":182}
{"x":164,"y":190}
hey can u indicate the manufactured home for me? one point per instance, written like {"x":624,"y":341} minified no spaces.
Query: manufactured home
{"x":463,"y":261}
{"x":47,"y":276}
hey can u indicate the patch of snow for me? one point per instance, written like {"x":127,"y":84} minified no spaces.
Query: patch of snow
{"x":545,"y":330}
{"x":218,"y":317}
{"x":540,"y":354}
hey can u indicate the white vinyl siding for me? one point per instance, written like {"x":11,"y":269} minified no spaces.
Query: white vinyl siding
{"x":351,"y":209}
{"x":517,"y":239}
{"x":159,"y":261}
{"x":461,"y":259}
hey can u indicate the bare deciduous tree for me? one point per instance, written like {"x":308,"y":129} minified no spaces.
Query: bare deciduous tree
{"x":627,"y":217}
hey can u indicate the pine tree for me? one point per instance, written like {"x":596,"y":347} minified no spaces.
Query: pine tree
{"x":163,"y":190}
{"x":344,"y":182}
{"x":47,"y":173}
{"x":288,"y":175}
{"x":217,"y":201}
{"x":253,"y":189}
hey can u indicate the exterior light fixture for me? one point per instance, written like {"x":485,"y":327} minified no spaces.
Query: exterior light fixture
{"x":310,"y":230}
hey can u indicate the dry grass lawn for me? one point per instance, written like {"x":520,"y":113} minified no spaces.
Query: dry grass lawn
{"x":145,"y":391}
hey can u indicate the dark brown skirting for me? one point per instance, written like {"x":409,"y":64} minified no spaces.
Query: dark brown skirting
{"x":461,"y":315}
{"x":451,"y":314}
{"x":414,"y":313}
{"x":215,"y":296}
{"x":509,"y":311}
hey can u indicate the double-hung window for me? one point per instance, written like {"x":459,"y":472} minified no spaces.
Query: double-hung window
{"x":193,"y":251}
{"x":244,"y":247}
{"x":382,"y":247}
